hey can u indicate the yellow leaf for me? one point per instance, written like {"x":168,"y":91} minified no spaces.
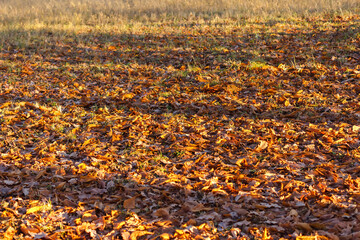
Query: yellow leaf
{"x":356,"y":128}
{"x":308,"y":238}
{"x":221,"y":140}
{"x":287,"y":103}
{"x":74,"y":130}
{"x":87,"y":142}
{"x":34,"y":209}
{"x":82,"y":166}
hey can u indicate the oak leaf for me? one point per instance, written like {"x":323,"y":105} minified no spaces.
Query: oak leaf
{"x":130,"y":203}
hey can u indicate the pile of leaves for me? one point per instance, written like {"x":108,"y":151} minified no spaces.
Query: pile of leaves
{"x":229,"y":131}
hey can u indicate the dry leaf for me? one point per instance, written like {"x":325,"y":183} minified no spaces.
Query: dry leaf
{"x":187,"y":117}
{"x":303,"y":226}
{"x":125,"y":235}
{"x":9,"y":233}
{"x":135,"y":235}
{"x":200,"y":207}
{"x":34,"y":209}
{"x":130,"y":203}
{"x":356,"y":128}
{"x":162,"y":212}
{"x":262,"y":146}
{"x":165,"y":236}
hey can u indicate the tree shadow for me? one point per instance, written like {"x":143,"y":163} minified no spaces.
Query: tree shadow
{"x":230,"y":80}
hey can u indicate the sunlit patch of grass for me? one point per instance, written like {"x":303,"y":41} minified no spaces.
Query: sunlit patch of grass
{"x":193,"y":69}
{"x":253,"y":65}
{"x":165,"y":94}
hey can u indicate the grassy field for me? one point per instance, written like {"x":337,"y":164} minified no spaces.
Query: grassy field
{"x":95,"y":13}
{"x":179,"y":120}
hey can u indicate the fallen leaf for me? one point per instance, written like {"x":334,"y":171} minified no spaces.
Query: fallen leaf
{"x":9,"y":233}
{"x":262,"y":146}
{"x":135,"y":235}
{"x":303,"y":226}
{"x":162,"y":212}
{"x":200,"y":207}
{"x":130,"y":203}
{"x":165,"y":236}
{"x":34,"y":209}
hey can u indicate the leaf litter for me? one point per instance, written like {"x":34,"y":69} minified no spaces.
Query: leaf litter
{"x":244,"y":132}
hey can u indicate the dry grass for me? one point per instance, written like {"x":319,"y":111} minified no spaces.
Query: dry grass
{"x":94,"y":12}
{"x":24,"y":21}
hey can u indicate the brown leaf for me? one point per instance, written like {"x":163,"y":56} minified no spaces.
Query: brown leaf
{"x":238,"y":209}
{"x":60,"y":185}
{"x":303,"y":226}
{"x":317,"y":225}
{"x":130,"y":203}
{"x":28,"y":230}
{"x":262,"y":146}
{"x":162,"y":212}
{"x":89,"y":216}
{"x":200,"y":207}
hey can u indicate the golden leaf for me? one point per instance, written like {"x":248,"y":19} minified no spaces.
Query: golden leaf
{"x":127,"y":96}
{"x":135,"y":235}
{"x":165,"y":236}
{"x":87,"y":142}
{"x":34,"y":209}
{"x":9,"y":234}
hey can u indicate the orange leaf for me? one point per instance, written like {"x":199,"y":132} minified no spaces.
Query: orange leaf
{"x":127,"y":96}
{"x":60,"y":185}
{"x":135,"y":235}
{"x":165,"y":236}
{"x":5,"y":105}
{"x":9,"y":234}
